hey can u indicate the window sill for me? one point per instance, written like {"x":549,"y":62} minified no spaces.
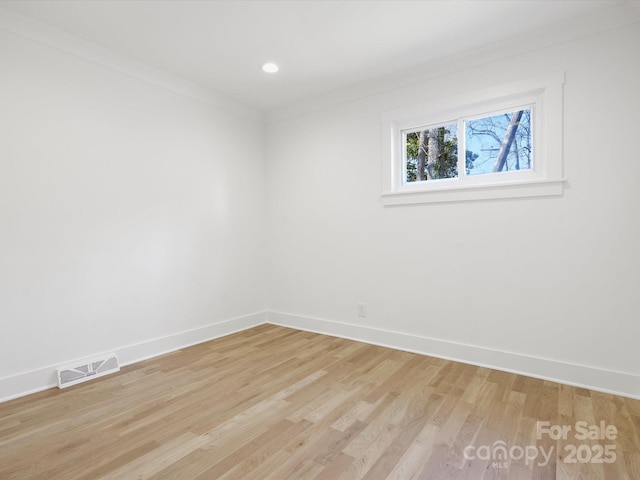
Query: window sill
{"x":462,"y":193}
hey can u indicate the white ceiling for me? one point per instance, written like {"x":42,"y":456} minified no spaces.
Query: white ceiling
{"x":320,"y":45}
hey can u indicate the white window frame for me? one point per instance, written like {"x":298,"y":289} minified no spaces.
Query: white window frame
{"x":543,"y":95}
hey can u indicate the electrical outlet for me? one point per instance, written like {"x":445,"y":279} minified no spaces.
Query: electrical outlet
{"x":362,"y":310}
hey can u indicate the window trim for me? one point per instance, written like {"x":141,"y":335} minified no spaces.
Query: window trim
{"x":542,"y":94}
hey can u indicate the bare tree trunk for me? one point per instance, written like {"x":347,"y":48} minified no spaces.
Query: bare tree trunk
{"x":433,"y":153}
{"x":509,"y":135}
{"x":422,"y":154}
{"x":515,"y":150}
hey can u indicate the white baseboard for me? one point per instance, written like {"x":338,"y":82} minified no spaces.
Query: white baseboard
{"x":43,"y":378}
{"x":607,"y":381}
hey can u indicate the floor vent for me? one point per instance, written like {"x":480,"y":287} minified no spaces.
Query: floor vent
{"x":87,"y":370}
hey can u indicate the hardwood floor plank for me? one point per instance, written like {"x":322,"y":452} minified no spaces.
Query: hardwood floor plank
{"x":387,"y":461}
{"x":413,"y":458}
{"x":275,"y":403}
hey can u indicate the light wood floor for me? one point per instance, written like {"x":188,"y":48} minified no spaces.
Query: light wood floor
{"x":275,"y":403}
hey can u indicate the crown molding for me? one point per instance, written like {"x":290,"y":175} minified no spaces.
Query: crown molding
{"x":620,"y":14}
{"x":34,"y":30}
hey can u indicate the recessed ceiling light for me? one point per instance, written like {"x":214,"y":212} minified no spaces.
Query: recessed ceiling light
{"x":270,"y":67}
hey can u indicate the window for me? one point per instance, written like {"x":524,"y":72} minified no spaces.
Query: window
{"x":511,"y":137}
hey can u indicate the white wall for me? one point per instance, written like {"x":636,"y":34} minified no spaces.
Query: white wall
{"x":133,"y":219}
{"x":128,"y":213}
{"x":554,"y":278}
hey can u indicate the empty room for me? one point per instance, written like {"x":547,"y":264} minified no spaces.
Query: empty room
{"x":319,"y":239}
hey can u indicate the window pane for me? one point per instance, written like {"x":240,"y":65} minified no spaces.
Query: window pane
{"x":499,"y":143}
{"x":432,"y":154}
